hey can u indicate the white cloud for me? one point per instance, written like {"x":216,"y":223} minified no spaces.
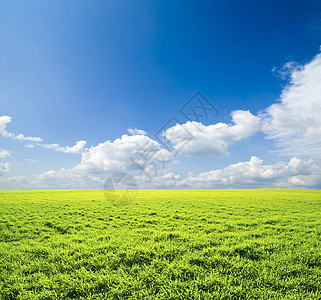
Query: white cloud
{"x":122,"y":154}
{"x":161,"y":180}
{"x":253,"y":173}
{"x":287,"y":69}
{"x":67,"y":178}
{"x":295,"y":122}
{"x":136,"y":153}
{"x":136,"y":131}
{"x":194,"y":138}
{"x":4,"y":154}
{"x":295,"y":173}
{"x":77,"y":148}
{"x":4,"y":168}
{"x":16,"y":182}
{"x":32,"y":160}
{"x":21,"y":137}
{"x":4,"y":120}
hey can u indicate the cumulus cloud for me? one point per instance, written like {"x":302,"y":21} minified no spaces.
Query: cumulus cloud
{"x":4,"y":120}
{"x":194,"y":138}
{"x":294,"y":121}
{"x":129,"y":153}
{"x":122,"y":154}
{"x":295,"y":173}
{"x":4,"y":154}
{"x":253,"y":173}
{"x":77,"y":148}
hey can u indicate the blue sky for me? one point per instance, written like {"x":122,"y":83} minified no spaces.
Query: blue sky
{"x":90,"y":70}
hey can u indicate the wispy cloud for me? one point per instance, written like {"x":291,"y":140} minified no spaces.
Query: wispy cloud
{"x":4,"y":120}
{"x":77,"y":148}
{"x":136,"y":131}
{"x":315,"y":23}
{"x":294,"y":121}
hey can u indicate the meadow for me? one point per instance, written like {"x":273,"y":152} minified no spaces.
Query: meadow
{"x":167,"y":244}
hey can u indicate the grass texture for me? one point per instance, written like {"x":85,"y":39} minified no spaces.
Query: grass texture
{"x":167,"y":244}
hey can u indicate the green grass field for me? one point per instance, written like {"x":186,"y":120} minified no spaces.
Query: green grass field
{"x":168,"y":244}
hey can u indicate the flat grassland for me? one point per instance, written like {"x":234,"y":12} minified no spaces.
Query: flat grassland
{"x":168,"y":244}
